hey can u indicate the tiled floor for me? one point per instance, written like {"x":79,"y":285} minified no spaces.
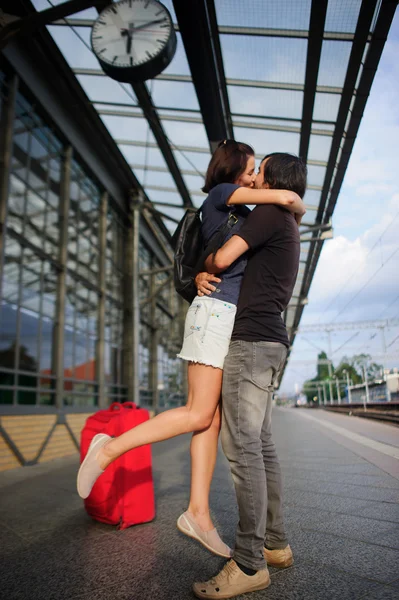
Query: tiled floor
{"x":342,"y":516}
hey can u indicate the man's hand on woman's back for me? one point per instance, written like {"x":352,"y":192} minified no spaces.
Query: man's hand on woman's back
{"x":203,"y":283}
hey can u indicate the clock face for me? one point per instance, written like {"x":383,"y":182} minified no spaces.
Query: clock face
{"x":132,"y":33}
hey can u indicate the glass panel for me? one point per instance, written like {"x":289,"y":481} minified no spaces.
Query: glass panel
{"x":29,"y":337}
{"x":168,"y":197}
{"x":265,"y":102}
{"x":312,"y":198}
{"x":333,"y":63}
{"x":104,"y":89}
{"x":342,"y":15}
{"x":264,"y":58}
{"x":278,"y":14}
{"x":174,"y":94}
{"x":194,"y":183}
{"x":264,"y":142}
{"x":319,"y":147}
{"x":189,"y":134}
{"x":196,"y":161}
{"x":179,"y":64}
{"x":326,"y":107}
{"x":159,"y":178}
{"x":77,"y":53}
{"x":316,"y":175}
{"x":128,"y":128}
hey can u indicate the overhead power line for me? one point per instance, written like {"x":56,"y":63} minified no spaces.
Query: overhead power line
{"x":346,"y":325}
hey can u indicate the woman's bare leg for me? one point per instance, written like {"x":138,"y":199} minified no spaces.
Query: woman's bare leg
{"x":204,"y":448}
{"x":204,"y":384}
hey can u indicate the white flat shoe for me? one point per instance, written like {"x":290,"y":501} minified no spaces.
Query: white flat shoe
{"x":90,"y":470}
{"x":209,"y":539}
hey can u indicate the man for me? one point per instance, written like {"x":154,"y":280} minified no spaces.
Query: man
{"x":256,"y":355}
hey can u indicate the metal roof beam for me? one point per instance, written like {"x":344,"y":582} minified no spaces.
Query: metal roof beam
{"x":197,"y":149}
{"x":363,"y":26}
{"x":192,"y":111}
{"x":163,"y":169}
{"x":385,"y":17}
{"x":29,"y":23}
{"x":316,"y":28}
{"x":198,"y":28}
{"x":273,"y":85}
{"x":337,"y":36}
{"x":149,"y":110}
{"x":186,"y":119}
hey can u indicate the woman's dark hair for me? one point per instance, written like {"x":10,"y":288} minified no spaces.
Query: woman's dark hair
{"x":285,"y":172}
{"x":227,"y":163}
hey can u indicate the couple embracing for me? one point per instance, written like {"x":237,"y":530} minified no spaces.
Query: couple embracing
{"x":235,"y":343}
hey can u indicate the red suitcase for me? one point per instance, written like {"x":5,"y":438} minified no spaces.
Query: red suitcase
{"x":124,"y":494}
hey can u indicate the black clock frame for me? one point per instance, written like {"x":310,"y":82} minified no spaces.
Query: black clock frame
{"x":147,"y":70}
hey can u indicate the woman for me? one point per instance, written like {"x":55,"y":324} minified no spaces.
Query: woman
{"x":209,"y":323}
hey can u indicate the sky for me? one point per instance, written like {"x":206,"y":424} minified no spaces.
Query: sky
{"x":357,"y":277}
{"x":357,"y":274}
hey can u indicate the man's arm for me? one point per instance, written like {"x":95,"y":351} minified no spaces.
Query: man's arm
{"x":226,"y":255}
{"x":256,"y":232}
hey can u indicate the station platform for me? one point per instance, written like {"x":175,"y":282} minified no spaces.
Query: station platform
{"x":341,"y":509}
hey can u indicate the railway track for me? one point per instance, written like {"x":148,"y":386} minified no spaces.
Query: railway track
{"x":388,"y":413}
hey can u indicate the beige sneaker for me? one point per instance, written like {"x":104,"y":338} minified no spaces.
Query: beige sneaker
{"x":231,"y":581}
{"x":279,"y":558}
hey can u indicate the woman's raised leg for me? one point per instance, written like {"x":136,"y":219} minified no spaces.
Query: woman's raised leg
{"x":204,"y":448}
{"x":204,"y":384}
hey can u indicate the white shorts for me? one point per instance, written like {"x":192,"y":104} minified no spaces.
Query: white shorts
{"x":207,"y":331}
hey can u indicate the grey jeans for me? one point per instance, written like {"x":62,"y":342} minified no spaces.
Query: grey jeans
{"x":250,"y":370}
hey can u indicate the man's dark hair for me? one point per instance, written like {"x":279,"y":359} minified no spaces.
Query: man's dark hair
{"x":285,"y":171}
{"x":227,"y":163}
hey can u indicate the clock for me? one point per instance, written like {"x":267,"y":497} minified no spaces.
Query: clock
{"x":134,"y":40}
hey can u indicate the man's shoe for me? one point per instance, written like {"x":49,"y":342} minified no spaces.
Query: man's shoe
{"x":231,"y":581}
{"x":210,"y":539}
{"x":90,"y":470}
{"x":279,"y":558}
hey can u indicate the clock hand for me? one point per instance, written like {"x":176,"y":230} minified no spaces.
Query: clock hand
{"x":129,"y":44}
{"x":148,"y":24}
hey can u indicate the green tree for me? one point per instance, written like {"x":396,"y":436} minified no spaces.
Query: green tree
{"x":363,"y":361}
{"x":345,"y":365}
{"x":322,"y":369}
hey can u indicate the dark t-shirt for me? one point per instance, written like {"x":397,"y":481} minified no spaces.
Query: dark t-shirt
{"x":273,"y":236}
{"x":215,"y":213}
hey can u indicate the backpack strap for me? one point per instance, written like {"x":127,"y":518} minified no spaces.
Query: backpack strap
{"x":217,"y":240}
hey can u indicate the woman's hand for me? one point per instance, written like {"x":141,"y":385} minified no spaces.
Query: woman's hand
{"x":292,"y":201}
{"x":202,"y":282}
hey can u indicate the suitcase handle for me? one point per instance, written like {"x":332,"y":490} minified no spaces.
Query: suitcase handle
{"x":115,"y":405}
{"x":119,"y":405}
{"x":129,"y":404}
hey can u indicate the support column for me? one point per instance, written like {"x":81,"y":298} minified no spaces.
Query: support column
{"x":59,"y":322}
{"x":331,"y":392}
{"x":6,"y":137}
{"x":338,"y":391}
{"x":131,"y":303}
{"x":153,"y":375}
{"x":102,"y":239}
{"x":366,"y":383}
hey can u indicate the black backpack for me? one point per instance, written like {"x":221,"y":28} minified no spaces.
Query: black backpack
{"x":190,"y":251}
